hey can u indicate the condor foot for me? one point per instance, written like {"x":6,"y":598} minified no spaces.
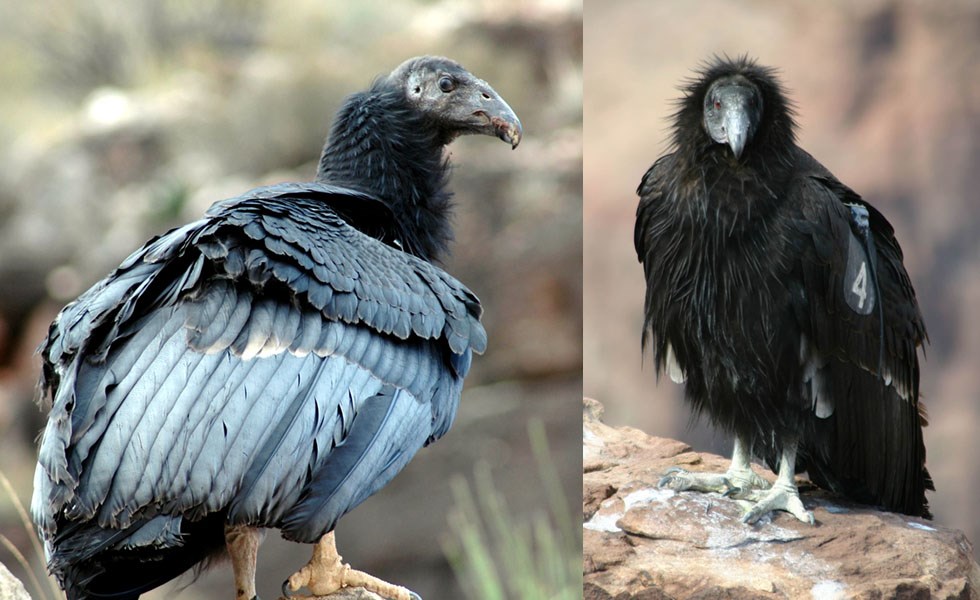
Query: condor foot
{"x":736,"y":483}
{"x":327,"y":574}
{"x":781,"y":497}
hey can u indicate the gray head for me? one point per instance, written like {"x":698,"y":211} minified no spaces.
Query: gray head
{"x":732,"y":111}
{"x":456,"y":100}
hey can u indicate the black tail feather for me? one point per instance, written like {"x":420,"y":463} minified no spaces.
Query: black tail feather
{"x":123,"y":574}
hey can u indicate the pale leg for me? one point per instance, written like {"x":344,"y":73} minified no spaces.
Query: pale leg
{"x":243,"y":547}
{"x":783,"y":495}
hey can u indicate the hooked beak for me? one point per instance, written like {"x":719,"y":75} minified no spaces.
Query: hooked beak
{"x":737,"y":130}
{"x":505,"y":126}
{"x":491,"y":115}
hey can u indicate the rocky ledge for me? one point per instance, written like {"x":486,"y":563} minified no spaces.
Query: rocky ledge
{"x":10,"y":587}
{"x":644,"y":542}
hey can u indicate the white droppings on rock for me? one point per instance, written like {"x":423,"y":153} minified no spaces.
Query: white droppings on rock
{"x":604,"y":522}
{"x":646,"y":496}
{"x":610,"y":511}
{"x":827,"y":590}
{"x":922,"y":526}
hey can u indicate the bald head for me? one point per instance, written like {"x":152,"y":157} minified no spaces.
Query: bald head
{"x":458,"y":102}
{"x":732,"y":111}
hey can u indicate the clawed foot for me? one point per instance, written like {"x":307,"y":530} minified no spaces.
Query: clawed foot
{"x":781,"y":497}
{"x":326,"y":573}
{"x":735,"y":483}
{"x":343,"y":577}
{"x":742,"y":485}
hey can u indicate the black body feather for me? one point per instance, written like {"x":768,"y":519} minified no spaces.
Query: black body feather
{"x":272,"y":364}
{"x":754,"y":296}
{"x":380,"y":145}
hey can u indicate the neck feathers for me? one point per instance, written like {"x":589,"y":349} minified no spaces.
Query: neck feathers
{"x":381,"y":146}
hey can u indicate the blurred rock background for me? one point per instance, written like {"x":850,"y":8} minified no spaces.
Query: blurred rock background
{"x":121,"y":119}
{"x":888,"y":98}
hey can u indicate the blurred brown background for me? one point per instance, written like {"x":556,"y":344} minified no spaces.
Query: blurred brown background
{"x":119,"y":120}
{"x":888,"y":96}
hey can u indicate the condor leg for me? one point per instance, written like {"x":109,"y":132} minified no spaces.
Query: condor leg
{"x":243,"y":547}
{"x":326,"y":573}
{"x":783,"y":495}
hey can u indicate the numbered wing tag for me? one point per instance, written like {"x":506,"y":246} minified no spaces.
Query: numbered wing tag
{"x":859,"y":285}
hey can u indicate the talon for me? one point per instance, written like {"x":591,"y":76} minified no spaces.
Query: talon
{"x":671,"y":475}
{"x":756,"y":513}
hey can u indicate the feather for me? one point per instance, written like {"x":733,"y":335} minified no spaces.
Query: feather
{"x":361,"y":464}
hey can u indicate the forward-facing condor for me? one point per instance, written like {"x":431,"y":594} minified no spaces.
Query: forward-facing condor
{"x":270,"y":365}
{"x":779,"y":296}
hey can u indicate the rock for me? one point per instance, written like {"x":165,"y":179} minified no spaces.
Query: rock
{"x":10,"y":587}
{"x":644,"y":542}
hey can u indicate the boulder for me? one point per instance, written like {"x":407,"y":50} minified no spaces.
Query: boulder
{"x":10,"y":587}
{"x":644,"y":542}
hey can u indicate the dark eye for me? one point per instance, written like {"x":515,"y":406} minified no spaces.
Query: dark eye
{"x":717,"y":104}
{"x":446,"y":84}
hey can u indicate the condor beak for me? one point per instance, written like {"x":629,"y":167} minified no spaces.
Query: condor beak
{"x":491,"y":115}
{"x":737,"y":127}
{"x":508,"y":130}
{"x":500,"y":121}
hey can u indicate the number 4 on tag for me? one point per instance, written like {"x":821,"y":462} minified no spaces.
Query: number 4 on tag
{"x":860,"y":286}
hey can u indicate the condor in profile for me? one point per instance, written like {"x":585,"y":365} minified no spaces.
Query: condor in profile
{"x":779,"y":296}
{"x":270,"y":365}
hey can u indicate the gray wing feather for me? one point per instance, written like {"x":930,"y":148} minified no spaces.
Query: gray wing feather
{"x":395,"y":426}
{"x":116,"y":429}
{"x":224,"y":364}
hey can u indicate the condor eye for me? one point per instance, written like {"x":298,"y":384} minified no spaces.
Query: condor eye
{"x":446,"y":84}
{"x":717,"y":104}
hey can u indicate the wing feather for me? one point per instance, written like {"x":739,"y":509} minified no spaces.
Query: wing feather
{"x":862,"y":366}
{"x":858,"y":340}
{"x":223,"y":366}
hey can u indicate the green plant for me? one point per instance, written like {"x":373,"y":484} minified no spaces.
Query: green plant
{"x":497,"y":557}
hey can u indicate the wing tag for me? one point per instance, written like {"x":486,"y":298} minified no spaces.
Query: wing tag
{"x":859,"y":285}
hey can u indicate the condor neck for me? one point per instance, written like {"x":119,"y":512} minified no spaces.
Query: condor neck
{"x":381,"y":146}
